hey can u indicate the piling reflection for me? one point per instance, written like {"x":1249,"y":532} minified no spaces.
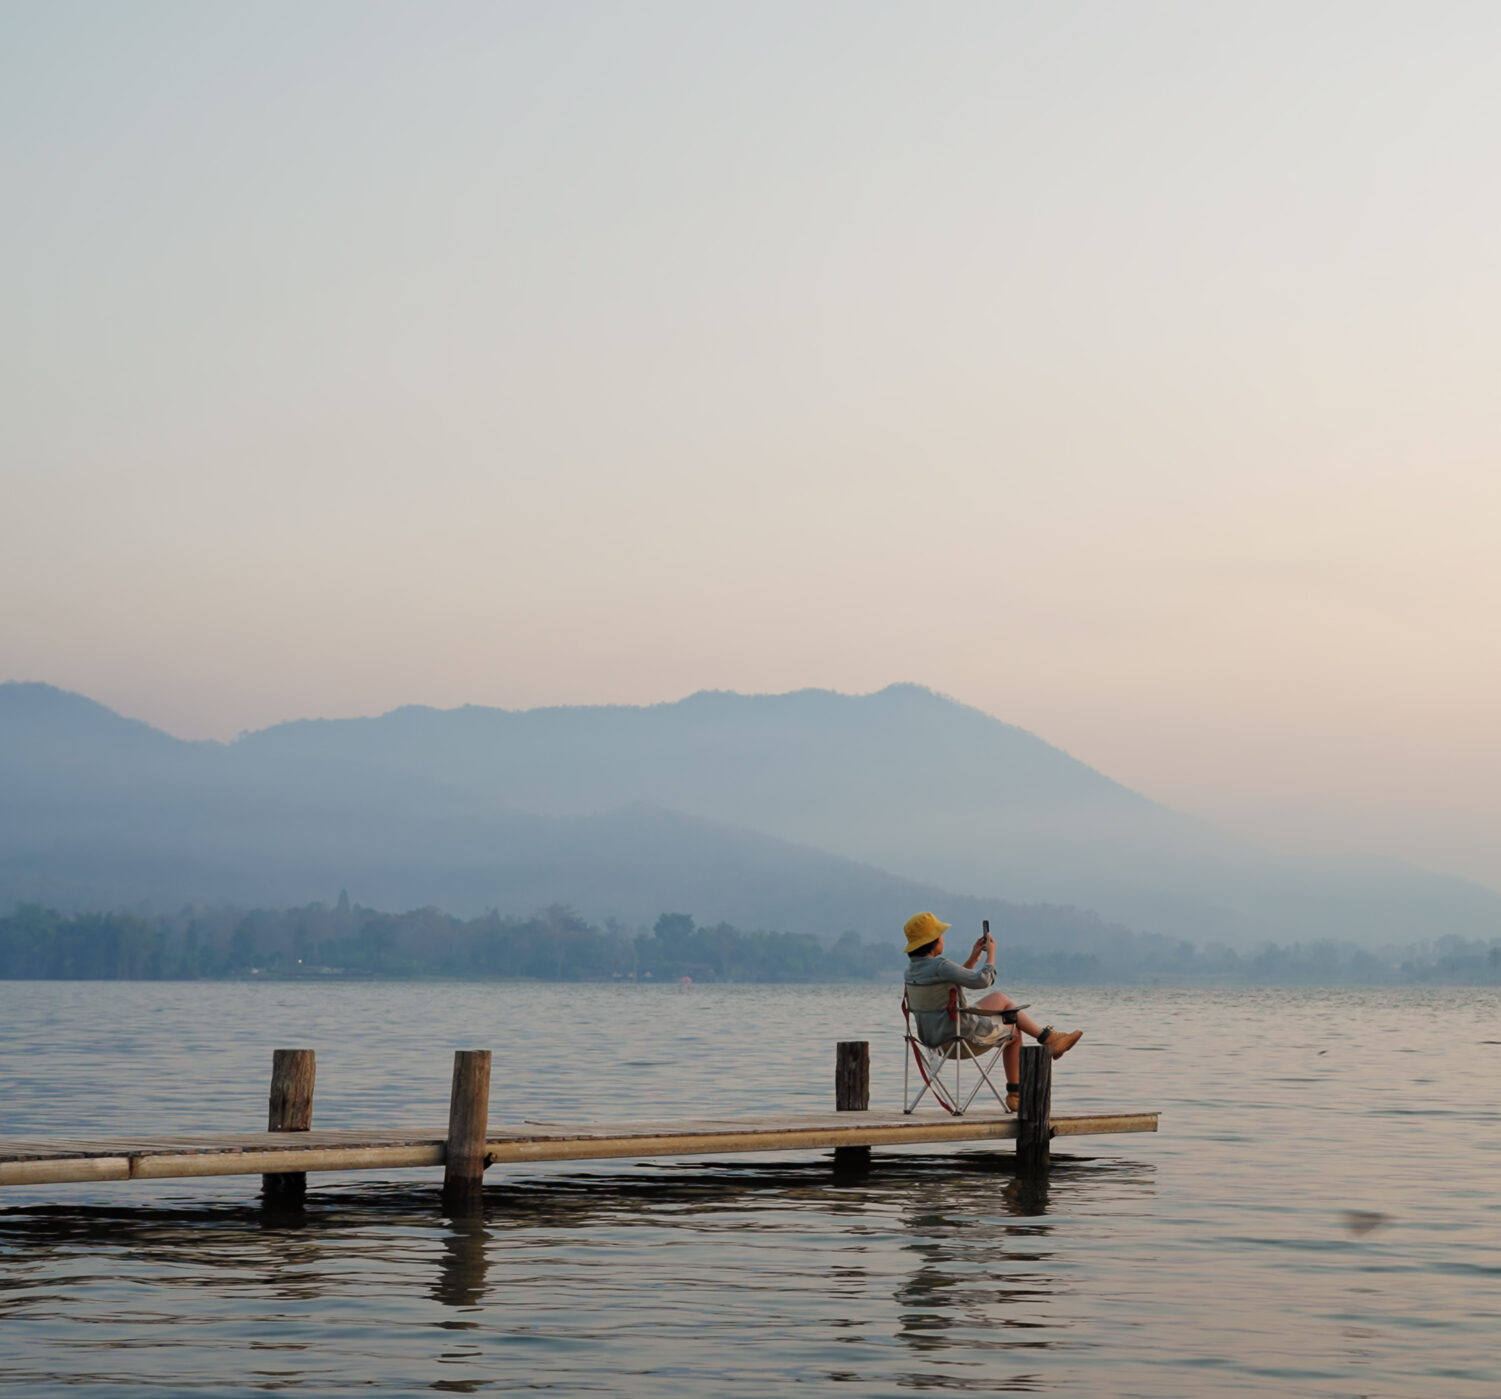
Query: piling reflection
{"x":464,"y":1264}
{"x":976,"y":1308}
{"x":950,"y":1257}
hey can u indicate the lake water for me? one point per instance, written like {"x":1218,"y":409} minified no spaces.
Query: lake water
{"x":1319,"y":1215}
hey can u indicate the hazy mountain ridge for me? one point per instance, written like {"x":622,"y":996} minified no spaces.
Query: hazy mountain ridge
{"x":912,"y":782}
{"x":86,"y":825}
{"x":811,"y":811}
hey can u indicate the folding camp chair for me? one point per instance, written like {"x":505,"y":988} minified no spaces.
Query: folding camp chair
{"x":932,"y":1059}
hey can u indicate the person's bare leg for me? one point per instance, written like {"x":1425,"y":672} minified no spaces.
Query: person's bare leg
{"x":1011,"y":1051}
{"x":1057,"y":1043}
{"x":999,"y":1000}
{"x":1011,"y":1057}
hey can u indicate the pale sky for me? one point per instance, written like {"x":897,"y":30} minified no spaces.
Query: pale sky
{"x":1129,"y":371}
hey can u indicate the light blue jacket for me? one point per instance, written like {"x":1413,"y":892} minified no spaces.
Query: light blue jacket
{"x":934,"y":1026}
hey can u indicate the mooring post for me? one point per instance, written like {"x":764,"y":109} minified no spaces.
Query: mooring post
{"x":1034,"y":1116}
{"x":852,"y":1094}
{"x":468,"y":1120}
{"x":290,"y":1110}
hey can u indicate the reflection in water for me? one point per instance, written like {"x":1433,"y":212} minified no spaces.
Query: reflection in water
{"x":618,"y":1281}
{"x":461,"y":1273}
{"x":979,"y":1284}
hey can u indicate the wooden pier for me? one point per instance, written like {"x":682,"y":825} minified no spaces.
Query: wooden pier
{"x":291,"y":1149}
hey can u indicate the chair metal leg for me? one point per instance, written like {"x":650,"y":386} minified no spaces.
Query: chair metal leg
{"x":929,"y":1064}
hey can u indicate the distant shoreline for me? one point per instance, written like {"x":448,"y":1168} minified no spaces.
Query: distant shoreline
{"x":320,"y":944}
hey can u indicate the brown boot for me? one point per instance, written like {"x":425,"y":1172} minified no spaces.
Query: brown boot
{"x":1059,"y":1042}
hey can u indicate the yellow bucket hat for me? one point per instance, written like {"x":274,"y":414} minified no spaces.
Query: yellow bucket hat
{"x":921,"y":929}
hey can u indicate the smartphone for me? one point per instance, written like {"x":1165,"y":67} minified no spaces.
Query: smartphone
{"x":985,"y":923}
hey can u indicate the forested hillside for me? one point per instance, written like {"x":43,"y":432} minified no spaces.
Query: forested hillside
{"x":556,"y":944}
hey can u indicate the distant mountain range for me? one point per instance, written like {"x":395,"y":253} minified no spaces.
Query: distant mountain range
{"x":810,"y":811}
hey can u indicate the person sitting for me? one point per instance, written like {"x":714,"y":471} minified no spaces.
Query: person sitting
{"x":927,"y":966}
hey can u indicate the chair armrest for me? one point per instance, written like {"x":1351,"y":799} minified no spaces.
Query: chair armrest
{"x":1008,"y":1016}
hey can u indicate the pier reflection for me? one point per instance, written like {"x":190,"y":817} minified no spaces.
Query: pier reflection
{"x":980,"y":1279}
{"x":465,"y":1263}
{"x":951,"y":1258}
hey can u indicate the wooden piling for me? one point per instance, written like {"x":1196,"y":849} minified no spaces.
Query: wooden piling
{"x":290,"y":1109}
{"x":852,"y":1094}
{"x":1034,"y":1116}
{"x":468,"y":1121}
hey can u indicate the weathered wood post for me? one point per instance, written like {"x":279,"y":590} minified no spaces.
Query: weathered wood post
{"x":1034,"y":1125}
{"x":468,"y":1121}
{"x":290,"y":1110}
{"x":852,"y":1094}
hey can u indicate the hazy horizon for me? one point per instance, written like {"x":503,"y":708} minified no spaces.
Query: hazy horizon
{"x":1125,"y":373}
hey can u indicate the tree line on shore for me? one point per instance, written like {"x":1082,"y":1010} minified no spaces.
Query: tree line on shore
{"x":556,"y":944}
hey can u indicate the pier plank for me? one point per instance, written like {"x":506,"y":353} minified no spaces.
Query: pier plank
{"x":41,"y":1161}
